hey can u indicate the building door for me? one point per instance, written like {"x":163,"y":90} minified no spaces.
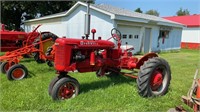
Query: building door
{"x":147,"y":40}
{"x":130,"y":35}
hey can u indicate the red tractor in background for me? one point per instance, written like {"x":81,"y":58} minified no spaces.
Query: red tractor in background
{"x":37,"y":44}
{"x":105,"y":58}
{"x":12,"y":40}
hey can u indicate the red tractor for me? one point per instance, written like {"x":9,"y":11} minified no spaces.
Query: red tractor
{"x":105,"y":58}
{"x":12,"y":40}
{"x":40,"y":45}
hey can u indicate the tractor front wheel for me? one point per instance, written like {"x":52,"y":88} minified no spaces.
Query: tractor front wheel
{"x":154,"y":77}
{"x":53,"y":81}
{"x":65,"y":88}
{"x":17,"y":72}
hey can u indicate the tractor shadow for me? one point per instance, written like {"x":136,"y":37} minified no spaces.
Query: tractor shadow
{"x":102,"y":84}
{"x":27,"y":60}
{"x":30,"y":74}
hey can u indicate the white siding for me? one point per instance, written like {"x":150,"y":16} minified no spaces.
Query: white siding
{"x":155,"y":34}
{"x":75,"y":23}
{"x":55,"y":26}
{"x":191,"y":35}
{"x":170,"y":43}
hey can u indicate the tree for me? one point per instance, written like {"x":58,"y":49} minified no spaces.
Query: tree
{"x":182,"y":12}
{"x":13,"y":12}
{"x":138,"y":10}
{"x":152,"y":12}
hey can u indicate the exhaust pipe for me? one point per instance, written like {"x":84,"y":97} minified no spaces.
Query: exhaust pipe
{"x":87,"y":21}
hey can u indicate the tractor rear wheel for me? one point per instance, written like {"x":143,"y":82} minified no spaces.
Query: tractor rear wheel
{"x":65,"y":88}
{"x":154,"y":77}
{"x":17,"y":72}
{"x":46,"y":44}
{"x":48,"y":53}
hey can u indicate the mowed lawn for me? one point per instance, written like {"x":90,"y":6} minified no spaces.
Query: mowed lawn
{"x":97,"y":94}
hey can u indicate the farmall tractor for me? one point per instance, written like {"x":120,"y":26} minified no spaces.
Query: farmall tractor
{"x":105,"y":58}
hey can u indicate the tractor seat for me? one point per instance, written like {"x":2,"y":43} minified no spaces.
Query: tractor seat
{"x":125,"y":47}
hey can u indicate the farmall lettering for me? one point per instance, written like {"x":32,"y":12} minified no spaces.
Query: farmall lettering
{"x":88,"y":43}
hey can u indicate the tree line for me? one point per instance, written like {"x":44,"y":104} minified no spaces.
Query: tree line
{"x":180,"y":12}
{"x":14,"y":13}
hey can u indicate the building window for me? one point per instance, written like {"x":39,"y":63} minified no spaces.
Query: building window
{"x":124,"y":36}
{"x":130,"y":36}
{"x":164,"y":34}
{"x":136,"y":36}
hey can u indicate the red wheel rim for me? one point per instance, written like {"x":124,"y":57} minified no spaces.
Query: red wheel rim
{"x":67,"y":91}
{"x":18,"y":73}
{"x":6,"y":67}
{"x":156,"y":80}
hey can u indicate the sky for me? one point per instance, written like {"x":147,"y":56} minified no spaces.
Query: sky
{"x":164,"y":7}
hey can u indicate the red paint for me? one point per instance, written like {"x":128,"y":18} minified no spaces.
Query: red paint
{"x":17,"y":73}
{"x":156,"y":80}
{"x":12,"y":40}
{"x":93,"y":30}
{"x":163,"y":40}
{"x":196,"y":107}
{"x":15,"y":56}
{"x":188,"y":20}
{"x":88,"y":55}
{"x":189,"y":45}
{"x":92,"y":58}
{"x":145,"y":58}
{"x":67,"y":91}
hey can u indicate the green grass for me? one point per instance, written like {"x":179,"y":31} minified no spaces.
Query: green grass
{"x":97,"y":94}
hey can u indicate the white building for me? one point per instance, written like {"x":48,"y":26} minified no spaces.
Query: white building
{"x":191,"y":33}
{"x":145,"y":32}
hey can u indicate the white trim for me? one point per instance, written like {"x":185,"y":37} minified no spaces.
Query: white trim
{"x":132,"y":19}
{"x":170,"y":24}
{"x":69,"y":11}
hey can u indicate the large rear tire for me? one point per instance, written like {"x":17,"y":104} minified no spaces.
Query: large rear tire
{"x":65,"y":88}
{"x":154,"y":77}
{"x":50,"y":63}
{"x":47,"y":44}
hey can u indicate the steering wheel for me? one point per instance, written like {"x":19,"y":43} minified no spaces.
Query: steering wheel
{"x":115,"y":31}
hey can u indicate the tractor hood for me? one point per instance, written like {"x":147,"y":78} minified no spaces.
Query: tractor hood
{"x":85,"y":43}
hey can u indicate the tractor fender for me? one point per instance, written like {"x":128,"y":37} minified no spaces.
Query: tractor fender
{"x":145,"y":58}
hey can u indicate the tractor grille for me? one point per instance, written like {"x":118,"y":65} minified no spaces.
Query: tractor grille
{"x":60,"y":55}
